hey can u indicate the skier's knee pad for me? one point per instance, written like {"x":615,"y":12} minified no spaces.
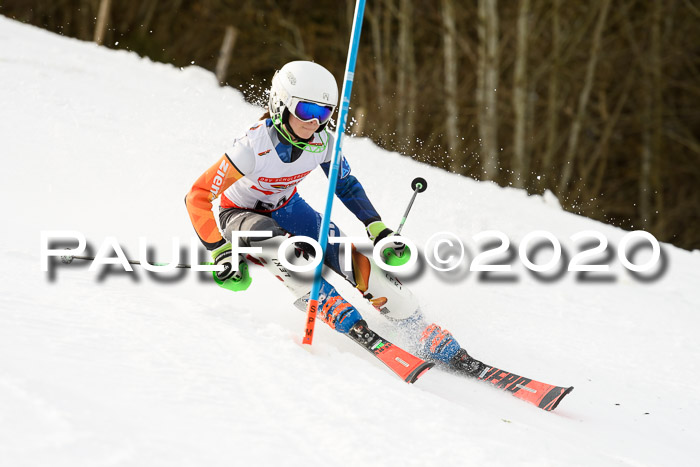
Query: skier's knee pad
{"x":239,"y":220}
{"x":384,"y":290}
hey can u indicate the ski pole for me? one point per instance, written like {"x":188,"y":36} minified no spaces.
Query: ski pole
{"x":419,"y":185}
{"x":69,"y":259}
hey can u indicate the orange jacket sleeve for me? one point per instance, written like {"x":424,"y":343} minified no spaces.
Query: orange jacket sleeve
{"x":208,"y":187}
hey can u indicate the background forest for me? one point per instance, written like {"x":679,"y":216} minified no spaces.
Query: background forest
{"x":596,"y":101}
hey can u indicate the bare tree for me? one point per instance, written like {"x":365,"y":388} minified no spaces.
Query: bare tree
{"x":451,"y":98}
{"x":374,"y":19}
{"x":406,"y":76}
{"x":520,"y":158}
{"x":553,"y":94}
{"x":102,"y":18}
{"x":567,"y":169}
{"x":653,"y":109}
{"x":225,"y":53}
{"x":487,"y":86}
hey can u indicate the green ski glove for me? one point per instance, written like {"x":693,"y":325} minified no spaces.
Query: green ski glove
{"x":394,"y":253}
{"x":230,"y":278}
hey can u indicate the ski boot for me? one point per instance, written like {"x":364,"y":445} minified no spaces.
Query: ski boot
{"x":440,"y":346}
{"x":464,"y":363}
{"x":337,"y":312}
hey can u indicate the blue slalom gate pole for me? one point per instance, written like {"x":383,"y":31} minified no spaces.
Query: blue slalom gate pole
{"x":335,"y":167}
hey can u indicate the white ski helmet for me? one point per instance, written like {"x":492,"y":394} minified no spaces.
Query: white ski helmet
{"x":300,"y":82}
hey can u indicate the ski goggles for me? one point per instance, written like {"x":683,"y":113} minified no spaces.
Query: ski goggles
{"x":307,"y":111}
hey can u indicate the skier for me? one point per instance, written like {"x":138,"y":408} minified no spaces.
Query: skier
{"x":256,"y":184}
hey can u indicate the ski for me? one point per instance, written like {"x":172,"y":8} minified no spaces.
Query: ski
{"x":407,"y":366}
{"x":543,"y":395}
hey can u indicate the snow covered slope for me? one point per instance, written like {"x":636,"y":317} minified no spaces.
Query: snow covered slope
{"x":130,"y":369}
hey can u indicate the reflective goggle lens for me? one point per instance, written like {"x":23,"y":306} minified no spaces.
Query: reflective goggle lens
{"x":307,"y":111}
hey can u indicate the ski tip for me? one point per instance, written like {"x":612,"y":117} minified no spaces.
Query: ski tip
{"x":558,"y":399}
{"x":419,"y":371}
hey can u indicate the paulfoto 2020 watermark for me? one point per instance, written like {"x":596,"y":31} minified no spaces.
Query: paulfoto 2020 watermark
{"x":443,"y":252}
